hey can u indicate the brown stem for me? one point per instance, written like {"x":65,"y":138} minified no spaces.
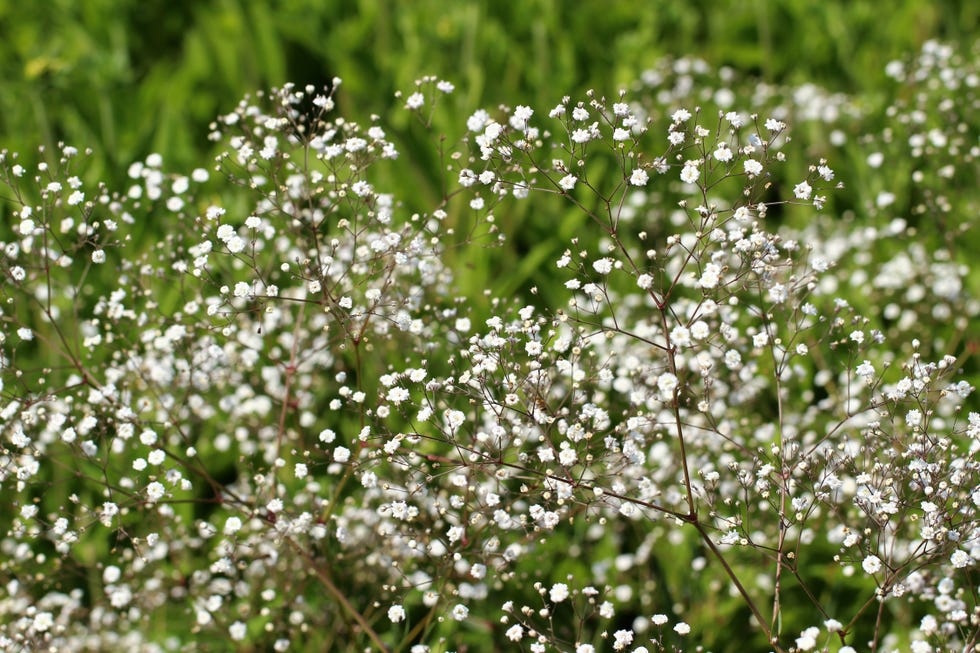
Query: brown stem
{"x":706,"y":538}
{"x":341,"y":598}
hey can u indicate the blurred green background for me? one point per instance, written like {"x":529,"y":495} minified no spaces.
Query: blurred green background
{"x":130,"y":77}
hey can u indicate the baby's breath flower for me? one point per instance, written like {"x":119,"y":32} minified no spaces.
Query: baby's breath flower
{"x":396,"y":613}
{"x":691,"y":172}
{"x":558,"y":592}
{"x":871,"y":564}
{"x":415,"y":101}
{"x":774,"y":125}
{"x":237,"y":631}
{"x":802,"y":191}
{"x":681,"y":115}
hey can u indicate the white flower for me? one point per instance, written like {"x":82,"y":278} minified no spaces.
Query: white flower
{"x":361,"y":188}
{"x":774,"y":125}
{"x":558,"y":592}
{"x":523,"y":113}
{"x":567,"y":457}
{"x":913,"y":418}
{"x":690,"y":173}
{"x":802,"y":191}
{"x":865,"y":370}
{"x":752,"y":168}
{"x":682,"y":628}
{"x":778,"y":293}
{"x":225,"y":233}
{"x":514,"y":633}
{"x":667,"y":383}
{"x":680,"y":115}
{"x":622,"y":639}
{"x":960,"y":559}
{"x":467,"y":178}
{"x":871,"y":564}
{"x":710,"y":276}
{"x":155,"y":491}
{"x":478,"y":120}
{"x":415,"y":101}
{"x":603,"y":265}
{"x":567,"y":182}
{"x":396,"y":613}
{"x":700,"y":330}
{"x":733,"y":359}
{"x":492,"y":131}
{"x":680,"y":336}
{"x":397,"y":395}
{"x":639,"y":177}
{"x":43,"y":621}
{"x":808,"y":639}
{"x":237,"y":631}
{"x":242,"y":289}
{"x":460,"y":612}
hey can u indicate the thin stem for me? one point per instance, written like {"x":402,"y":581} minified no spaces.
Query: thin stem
{"x":706,"y":538}
{"x":340,"y":596}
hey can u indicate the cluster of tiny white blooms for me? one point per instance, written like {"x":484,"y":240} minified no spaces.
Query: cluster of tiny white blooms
{"x":279,"y":424}
{"x":553,"y":620}
{"x":208,"y":376}
{"x":932,"y":131}
{"x":746,"y":315}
